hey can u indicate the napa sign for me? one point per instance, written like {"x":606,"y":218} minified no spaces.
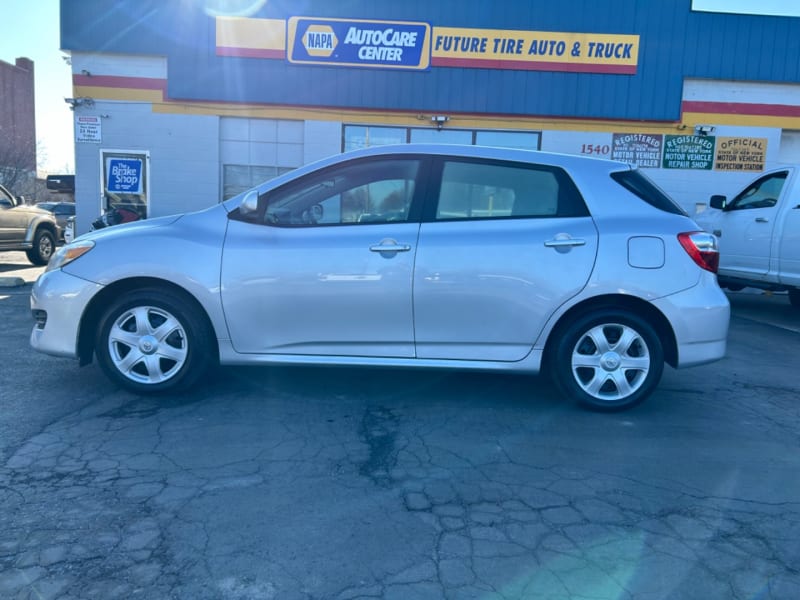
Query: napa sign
{"x":357,"y":43}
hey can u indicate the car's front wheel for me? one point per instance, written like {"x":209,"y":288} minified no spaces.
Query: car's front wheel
{"x":154,"y":340}
{"x":44,"y":244}
{"x":608,"y":360}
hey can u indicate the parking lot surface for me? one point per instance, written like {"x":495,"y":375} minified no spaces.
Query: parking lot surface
{"x":351,"y":483}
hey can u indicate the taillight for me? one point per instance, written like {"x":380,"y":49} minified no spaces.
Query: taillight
{"x":702,"y":247}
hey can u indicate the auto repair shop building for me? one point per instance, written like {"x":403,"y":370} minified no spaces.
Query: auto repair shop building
{"x":177,"y":106}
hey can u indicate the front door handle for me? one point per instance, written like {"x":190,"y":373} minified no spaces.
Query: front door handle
{"x":762,"y":220}
{"x":389,"y":245}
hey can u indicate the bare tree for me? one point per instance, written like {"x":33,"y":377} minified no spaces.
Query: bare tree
{"x":15,"y":170}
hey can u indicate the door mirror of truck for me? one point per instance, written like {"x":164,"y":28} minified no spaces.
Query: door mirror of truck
{"x":718,"y":201}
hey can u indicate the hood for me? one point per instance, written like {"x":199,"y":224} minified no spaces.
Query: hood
{"x":125,"y":228}
{"x":30,"y":209}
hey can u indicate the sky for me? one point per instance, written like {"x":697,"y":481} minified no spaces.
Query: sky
{"x":30,"y":28}
{"x":787,"y":8}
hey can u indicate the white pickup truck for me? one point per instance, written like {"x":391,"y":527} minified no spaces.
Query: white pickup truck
{"x":759,"y":233}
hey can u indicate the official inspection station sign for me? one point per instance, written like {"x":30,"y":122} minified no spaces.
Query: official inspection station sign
{"x":740,"y":154}
{"x":358,"y":43}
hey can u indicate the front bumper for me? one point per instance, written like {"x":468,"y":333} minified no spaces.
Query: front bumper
{"x":64,"y":299}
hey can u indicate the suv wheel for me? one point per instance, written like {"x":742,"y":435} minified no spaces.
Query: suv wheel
{"x":44,"y":244}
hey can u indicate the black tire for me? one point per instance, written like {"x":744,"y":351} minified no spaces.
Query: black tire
{"x":154,"y":340}
{"x":44,"y":244}
{"x":589,"y":365}
{"x":794,"y":297}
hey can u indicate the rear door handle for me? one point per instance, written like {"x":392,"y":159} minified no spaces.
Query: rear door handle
{"x":565,"y":242}
{"x":762,"y":220}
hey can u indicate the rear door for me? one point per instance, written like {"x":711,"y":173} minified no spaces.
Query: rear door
{"x":501,"y":247}
{"x":789,"y":242}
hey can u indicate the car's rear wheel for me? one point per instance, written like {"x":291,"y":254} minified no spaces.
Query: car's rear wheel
{"x":154,"y":340}
{"x":44,"y":244}
{"x":608,"y":360}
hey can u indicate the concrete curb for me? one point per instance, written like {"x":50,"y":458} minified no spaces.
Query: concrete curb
{"x":11,"y":282}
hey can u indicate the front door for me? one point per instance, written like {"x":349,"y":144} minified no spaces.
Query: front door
{"x":326,"y":266}
{"x":745,"y":227}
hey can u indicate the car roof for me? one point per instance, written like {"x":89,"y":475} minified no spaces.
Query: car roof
{"x":491,"y":152}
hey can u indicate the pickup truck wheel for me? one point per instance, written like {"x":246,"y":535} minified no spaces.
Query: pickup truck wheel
{"x":608,"y":360}
{"x":44,"y":244}
{"x":794,"y":297}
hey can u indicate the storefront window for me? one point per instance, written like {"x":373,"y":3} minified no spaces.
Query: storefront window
{"x":240,"y":178}
{"x":364,"y":136}
{"x":443,"y":136}
{"x":357,"y":136}
{"x":508,"y":139}
{"x":125,"y":183}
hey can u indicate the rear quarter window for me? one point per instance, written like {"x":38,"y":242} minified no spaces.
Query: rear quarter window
{"x":642,"y":186}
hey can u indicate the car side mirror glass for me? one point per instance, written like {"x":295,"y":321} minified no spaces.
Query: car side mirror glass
{"x":718,"y":201}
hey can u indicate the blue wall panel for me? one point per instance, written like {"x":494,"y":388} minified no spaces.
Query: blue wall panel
{"x":675,"y":43}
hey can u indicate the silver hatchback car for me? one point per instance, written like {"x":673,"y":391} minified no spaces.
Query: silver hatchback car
{"x":414,"y":255}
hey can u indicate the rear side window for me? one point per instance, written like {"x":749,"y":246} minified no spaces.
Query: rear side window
{"x":639,"y":184}
{"x":496,"y":190}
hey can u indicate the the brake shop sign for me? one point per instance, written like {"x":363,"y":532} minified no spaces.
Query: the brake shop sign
{"x":357,"y":43}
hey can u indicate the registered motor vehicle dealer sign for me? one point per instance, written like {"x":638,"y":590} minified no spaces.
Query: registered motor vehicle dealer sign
{"x":88,"y":129}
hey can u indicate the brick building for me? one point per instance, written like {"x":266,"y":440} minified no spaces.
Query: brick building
{"x":17,"y":123}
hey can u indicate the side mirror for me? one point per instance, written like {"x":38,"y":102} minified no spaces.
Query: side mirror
{"x":249,"y":205}
{"x":20,"y":200}
{"x":718,"y":201}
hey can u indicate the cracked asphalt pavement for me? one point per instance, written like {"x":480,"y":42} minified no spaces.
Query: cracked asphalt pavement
{"x":345,"y":484}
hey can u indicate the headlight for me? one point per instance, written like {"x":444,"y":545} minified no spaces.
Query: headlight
{"x":66,"y":254}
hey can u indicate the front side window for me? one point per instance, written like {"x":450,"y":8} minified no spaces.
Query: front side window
{"x":5,"y":200}
{"x":763,"y":193}
{"x":477,"y":190}
{"x":368,"y":191}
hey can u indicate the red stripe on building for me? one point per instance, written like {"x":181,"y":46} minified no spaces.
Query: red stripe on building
{"x":112,"y":81}
{"x":523,"y":65}
{"x":251,"y":52}
{"x":739,"y":108}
